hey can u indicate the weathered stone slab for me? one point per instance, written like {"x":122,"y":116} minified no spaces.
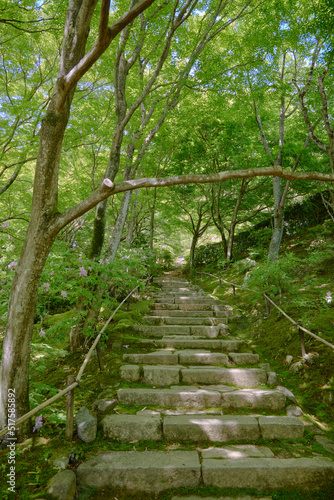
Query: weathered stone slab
{"x":182,"y":314}
{"x":157,"y":357}
{"x":269,"y":473}
{"x":250,"y":377}
{"x":179,"y":294}
{"x":206,"y":322}
{"x":190,"y":343}
{"x":164,"y":306}
{"x":231,"y":345}
{"x":203,"y":358}
{"x":86,"y":425}
{"x":63,"y":485}
{"x":203,"y":306}
{"x":132,"y":427}
{"x":210,"y":332}
{"x":244,"y":358}
{"x":199,"y":300}
{"x":165,"y":300}
{"x":218,"y":387}
{"x":238,"y":451}
{"x":281,"y":427}
{"x":142,"y":470}
{"x":223,"y":428}
{"x":160,"y":331}
{"x":161,"y":375}
{"x":264,"y":399}
{"x":190,"y":398}
{"x":130,"y":373}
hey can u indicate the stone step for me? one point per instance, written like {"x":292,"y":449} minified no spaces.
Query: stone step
{"x":196,"y":342}
{"x":181,"y":289}
{"x":191,"y":321}
{"x":150,"y":471}
{"x":161,"y":331}
{"x":197,"y":428}
{"x":191,"y":357}
{"x":174,"y":294}
{"x":211,"y":396}
{"x":199,"y":300}
{"x":166,"y":375}
{"x":188,"y":314}
{"x":268,"y":473}
{"x":190,"y":397}
{"x":242,"y":377}
{"x":154,"y":471}
{"x":189,"y":307}
{"x":256,"y":399}
{"x":224,"y":428}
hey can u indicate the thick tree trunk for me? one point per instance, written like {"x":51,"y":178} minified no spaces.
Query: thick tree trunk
{"x":16,"y":345}
{"x":46,"y":222}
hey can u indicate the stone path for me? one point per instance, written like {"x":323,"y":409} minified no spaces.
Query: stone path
{"x":201,"y":391}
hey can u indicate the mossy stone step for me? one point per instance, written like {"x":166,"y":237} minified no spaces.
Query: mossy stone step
{"x":197,"y":342}
{"x":202,"y":306}
{"x":191,"y":357}
{"x":154,"y":471}
{"x":187,"y":314}
{"x":166,"y":375}
{"x":202,"y":397}
{"x":269,"y":473}
{"x":242,"y":377}
{"x":200,"y":427}
{"x":150,"y":471}
{"x":191,"y":321}
{"x":191,"y":397}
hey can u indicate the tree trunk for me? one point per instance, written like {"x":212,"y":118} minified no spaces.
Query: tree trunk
{"x":277,"y":233}
{"x":152,"y":215}
{"x":119,"y":226}
{"x":192,"y":249}
{"x":46,"y":222}
{"x":131,"y":224}
{"x":234,"y":221}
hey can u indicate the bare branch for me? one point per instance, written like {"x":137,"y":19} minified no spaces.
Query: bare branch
{"x":107,"y":188}
{"x":103,"y":41}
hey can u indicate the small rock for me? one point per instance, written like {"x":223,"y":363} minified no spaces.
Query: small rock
{"x":296,"y":367}
{"x":288,"y":359}
{"x":63,"y":485}
{"x":103,"y":406}
{"x":294,"y":411}
{"x":265,"y":366}
{"x":287,"y":393}
{"x":86,"y":425}
{"x":61,"y":463}
{"x":325,"y":443}
{"x":272,"y":379}
{"x":310,"y":357}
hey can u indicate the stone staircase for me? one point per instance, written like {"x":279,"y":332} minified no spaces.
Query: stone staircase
{"x":207,"y":403}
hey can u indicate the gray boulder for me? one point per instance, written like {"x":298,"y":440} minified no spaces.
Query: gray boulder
{"x":63,"y":485}
{"x":86,"y":425}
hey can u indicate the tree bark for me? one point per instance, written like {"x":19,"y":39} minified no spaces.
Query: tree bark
{"x":46,"y":222}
